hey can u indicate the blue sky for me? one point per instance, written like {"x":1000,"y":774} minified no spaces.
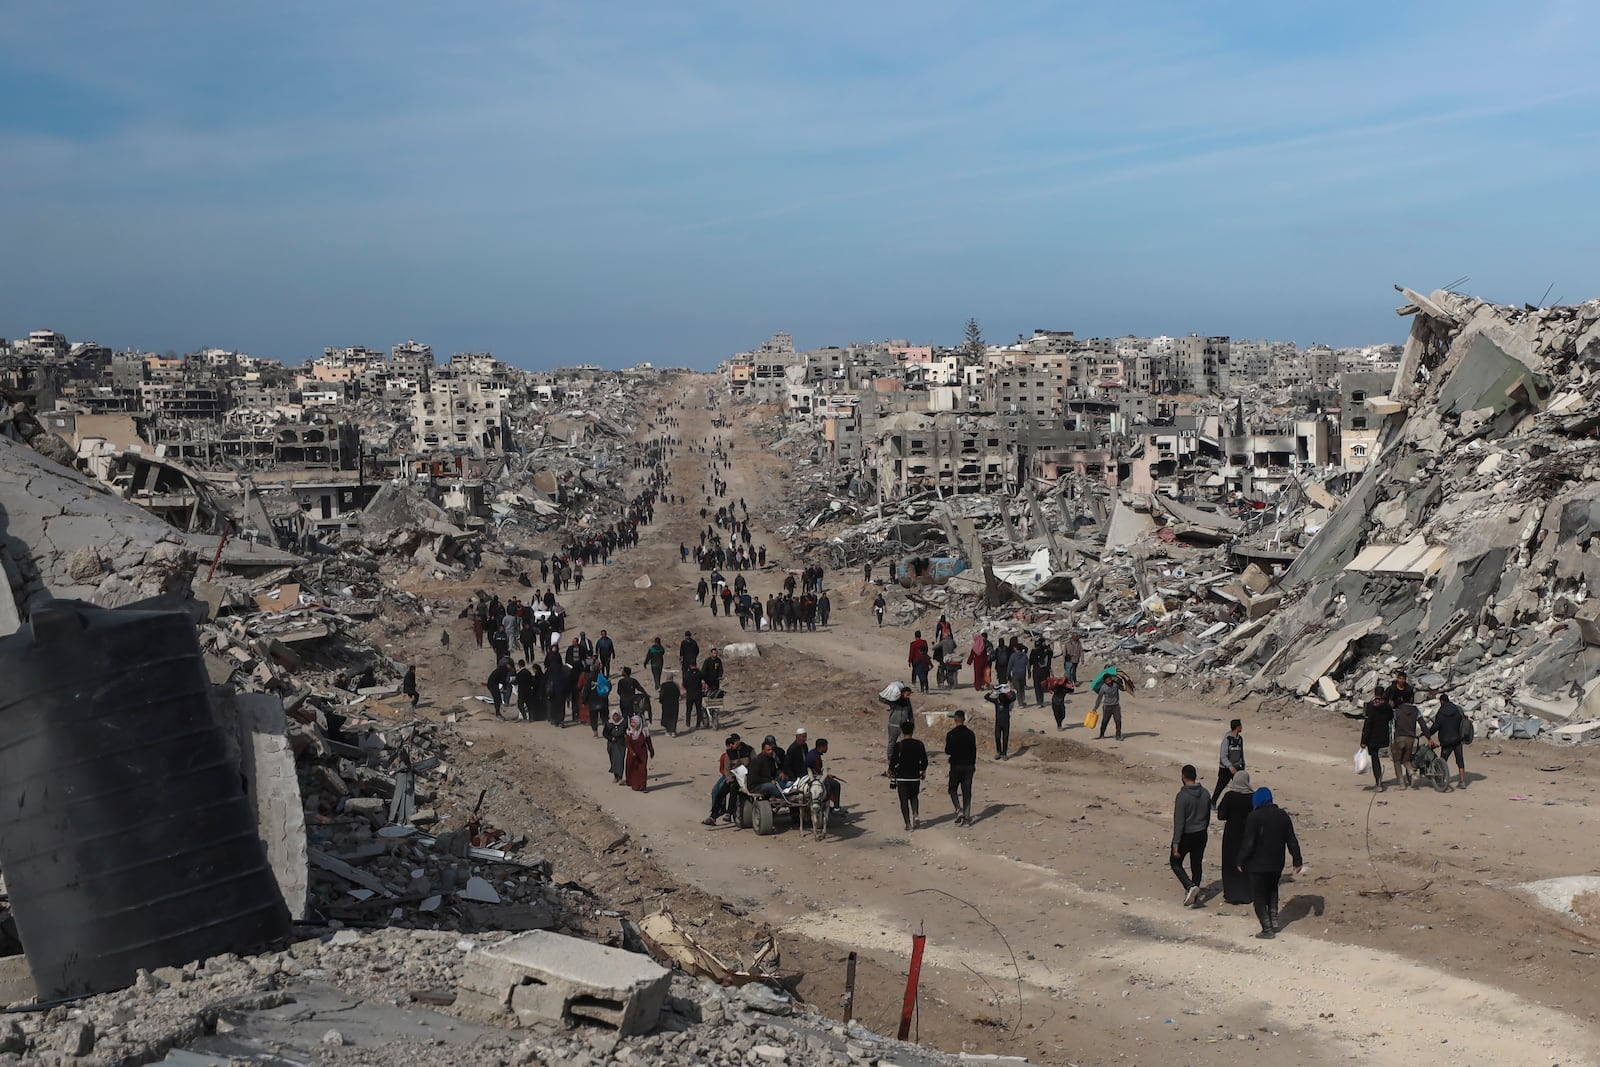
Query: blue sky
{"x":622,"y":181}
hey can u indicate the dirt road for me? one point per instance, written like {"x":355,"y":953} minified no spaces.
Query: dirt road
{"x":1054,"y":923}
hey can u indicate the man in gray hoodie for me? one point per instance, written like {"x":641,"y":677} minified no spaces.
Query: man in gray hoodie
{"x":1191,"y":815}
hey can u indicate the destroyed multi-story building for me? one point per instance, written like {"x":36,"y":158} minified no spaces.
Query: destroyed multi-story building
{"x":461,"y":412}
{"x":1202,"y":363}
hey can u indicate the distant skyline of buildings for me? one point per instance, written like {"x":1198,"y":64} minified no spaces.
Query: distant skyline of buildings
{"x":49,"y":340}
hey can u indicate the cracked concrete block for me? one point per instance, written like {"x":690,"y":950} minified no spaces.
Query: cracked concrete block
{"x":541,"y":977}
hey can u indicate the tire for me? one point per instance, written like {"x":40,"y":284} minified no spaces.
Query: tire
{"x":764,"y":817}
{"x":1439,"y":775}
{"x":746,"y":812}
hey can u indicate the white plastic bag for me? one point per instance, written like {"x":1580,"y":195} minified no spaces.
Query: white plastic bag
{"x":892,"y":691}
{"x":1363,"y":762}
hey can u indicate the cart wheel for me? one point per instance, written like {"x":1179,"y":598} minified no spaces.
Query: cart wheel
{"x":746,"y":812}
{"x":763,"y":817}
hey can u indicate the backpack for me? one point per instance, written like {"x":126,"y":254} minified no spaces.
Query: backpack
{"x":1467,"y":730}
{"x":602,"y":685}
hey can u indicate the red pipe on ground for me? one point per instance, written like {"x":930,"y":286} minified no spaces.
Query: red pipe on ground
{"x":917,"y":941}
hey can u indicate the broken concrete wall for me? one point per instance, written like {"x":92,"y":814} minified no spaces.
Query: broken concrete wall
{"x":256,"y":728}
{"x":63,"y":537}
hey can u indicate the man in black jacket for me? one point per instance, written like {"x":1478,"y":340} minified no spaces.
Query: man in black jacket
{"x":1451,"y":727}
{"x":688,"y":651}
{"x":711,"y":671}
{"x":694,"y":698}
{"x":908,"y":766}
{"x":526,"y":686}
{"x":499,"y":679}
{"x":1268,"y":830}
{"x":628,"y":693}
{"x":1039,"y":660}
{"x":1401,"y":691}
{"x":766,"y":772}
{"x":961,"y":749}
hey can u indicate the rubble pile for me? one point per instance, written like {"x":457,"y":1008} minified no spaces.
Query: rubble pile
{"x":63,"y":538}
{"x":1465,"y":552}
{"x":393,"y":993}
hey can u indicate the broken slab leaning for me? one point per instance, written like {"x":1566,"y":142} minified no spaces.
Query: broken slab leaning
{"x":544,"y":977}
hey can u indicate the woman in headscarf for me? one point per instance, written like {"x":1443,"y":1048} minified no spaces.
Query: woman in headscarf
{"x":640,"y":750}
{"x":1232,"y":808}
{"x":616,"y":736}
{"x":979,"y":658}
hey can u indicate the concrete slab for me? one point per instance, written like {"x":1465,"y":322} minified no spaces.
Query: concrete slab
{"x":540,"y":977}
{"x":1548,"y":710}
{"x":1577,"y":733}
{"x":1320,"y":658}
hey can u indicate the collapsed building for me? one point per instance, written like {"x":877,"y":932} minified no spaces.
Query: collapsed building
{"x":1460,"y":544}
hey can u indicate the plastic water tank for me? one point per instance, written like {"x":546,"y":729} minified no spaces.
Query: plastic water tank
{"x":126,"y":836}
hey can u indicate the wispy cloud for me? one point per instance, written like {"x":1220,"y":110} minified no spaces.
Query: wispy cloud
{"x":623,"y":159}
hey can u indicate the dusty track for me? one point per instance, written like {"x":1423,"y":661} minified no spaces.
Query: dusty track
{"x":1068,"y":857}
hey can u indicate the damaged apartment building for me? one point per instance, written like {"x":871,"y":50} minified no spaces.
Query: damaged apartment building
{"x":293,"y":456}
{"x":899,"y":419}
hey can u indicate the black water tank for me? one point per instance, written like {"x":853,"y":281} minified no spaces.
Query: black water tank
{"x":126,"y":837}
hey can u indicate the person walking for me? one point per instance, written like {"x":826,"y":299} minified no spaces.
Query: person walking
{"x":908,"y":766}
{"x":631,"y":696}
{"x":616,"y":737}
{"x":1002,"y":697}
{"x":655,"y":658}
{"x":1233,"y":809}
{"x":668,"y":695}
{"x":919,"y":659}
{"x":961,"y":749}
{"x":408,"y":685}
{"x":499,"y":678}
{"x":1039,"y":661}
{"x":1377,"y":720}
{"x":694,"y":698}
{"x":1108,"y":697}
{"x":1191,"y":817}
{"x":1072,"y":655}
{"x":638,"y":750}
{"x":878,"y":606}
{"x":1401,"y":691}
{"x":1404,"y":744}
{"x":1453,"y":730}
{"x":605,"y":649}
{"x":1268,"y":831}
{"x":1230,"y":758}
{"x":1058,"y":704}
{"x":1016,"y":666}
{"x":899,"y":701}
{"x":688,"y":651}
{"x":978,"y":658}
